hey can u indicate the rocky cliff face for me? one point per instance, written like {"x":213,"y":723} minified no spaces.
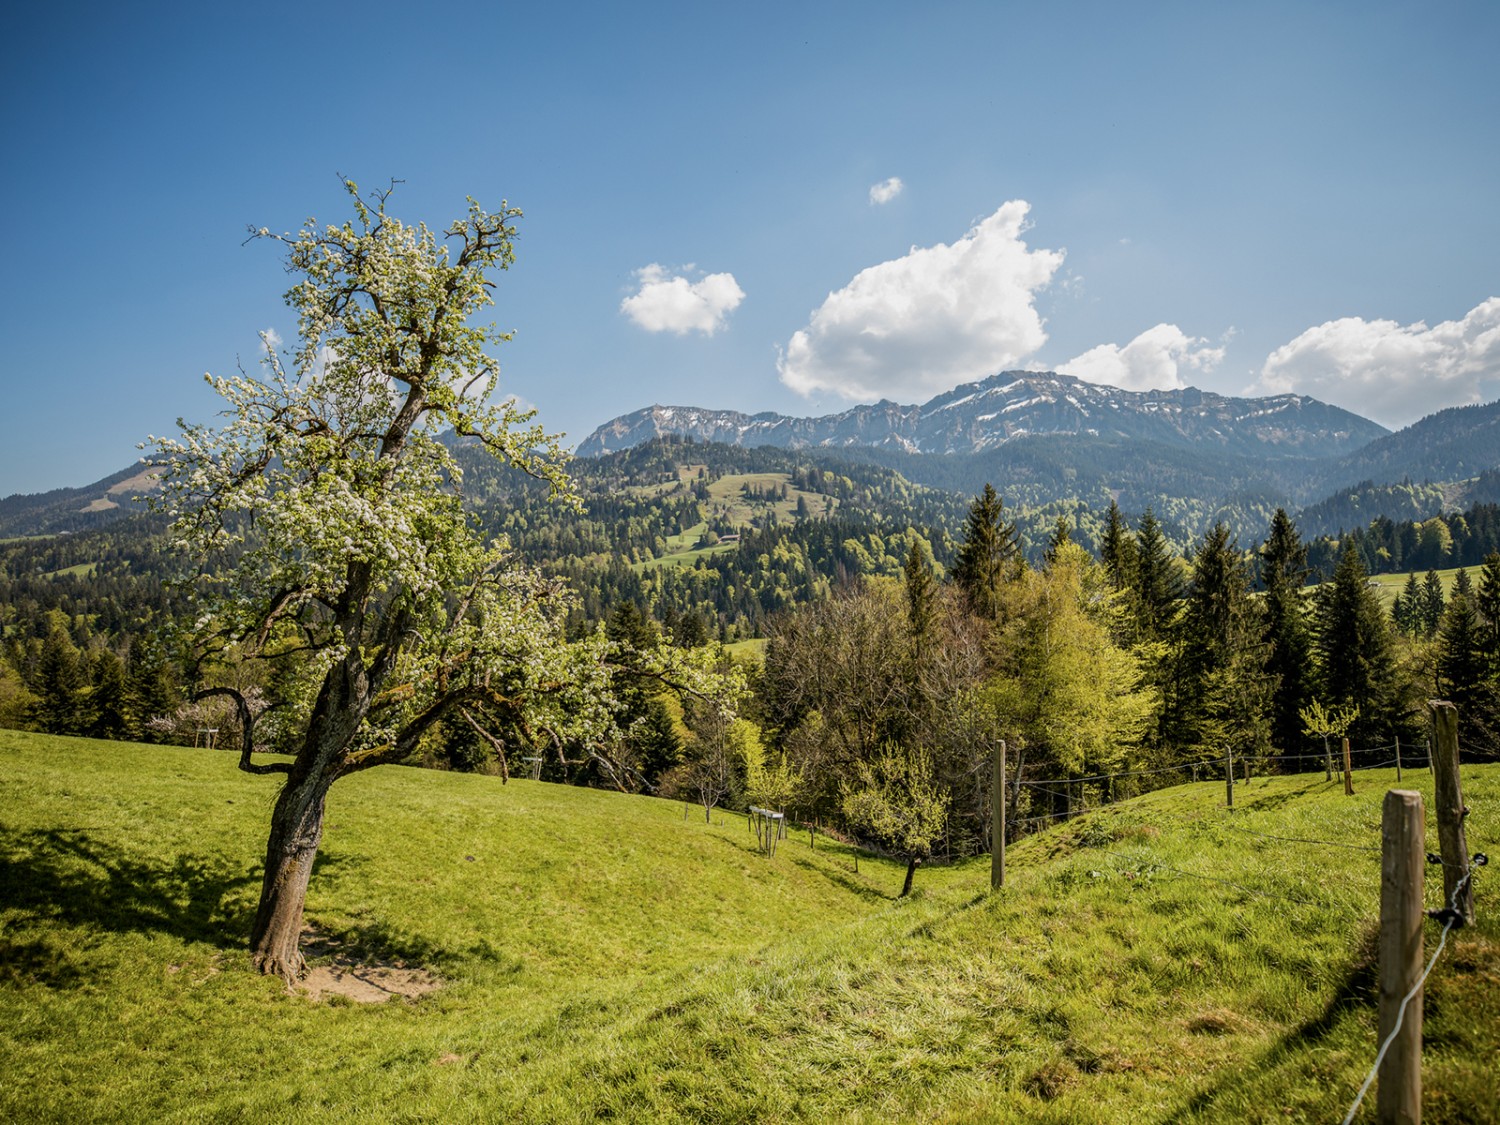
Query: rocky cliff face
{"x":980,"y":416}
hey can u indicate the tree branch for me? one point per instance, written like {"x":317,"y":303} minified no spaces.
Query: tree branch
{"x":247,"y":730}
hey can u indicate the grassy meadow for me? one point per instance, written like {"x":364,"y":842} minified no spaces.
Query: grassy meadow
{"x":726,"y":497}
{"x":603,"y":956}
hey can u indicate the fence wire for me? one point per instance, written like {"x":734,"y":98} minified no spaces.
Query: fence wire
{"x":1452,"y":917}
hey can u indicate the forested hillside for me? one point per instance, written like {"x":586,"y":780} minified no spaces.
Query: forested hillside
{"x":720,"y":543}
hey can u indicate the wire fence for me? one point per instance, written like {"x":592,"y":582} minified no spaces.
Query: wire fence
{"x":1450,"y":918}
{"x":1089,"y":792}
{"x":1069,"y":788}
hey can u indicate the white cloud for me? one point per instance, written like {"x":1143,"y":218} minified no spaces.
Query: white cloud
{"x":919,"y":325}
{"x":672,"y":303}
{"x":271,"y":337}
{"x":1390,"y":372}
{"x":886,"y":190}
{"x":1155,"y":360}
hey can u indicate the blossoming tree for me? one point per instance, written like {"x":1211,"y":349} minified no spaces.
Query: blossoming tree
{"x":326,"y":511}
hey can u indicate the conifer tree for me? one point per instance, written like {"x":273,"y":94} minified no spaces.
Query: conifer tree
{"x":107,"y":698}
{"x":150,"y":691}
{"x":1487,"y":606}
{"x":1460,"y":661}
{"x":1353,"y":648}
{"x":1288,"y":644}
{"x":1060,"y":536}
{"x":990,"y":554}
{"x":1225,"y":690}
{"x":1481,"y":725}
{"x":1408,"y":611}
{"x":1117,"y":550}
{"x":1158,"y":585}
{"x":61,"y":686}
{"x":1432,"y":603}
{"x":920,"y":589}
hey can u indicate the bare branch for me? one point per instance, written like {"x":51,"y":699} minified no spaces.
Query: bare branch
{"x":495,"y":744}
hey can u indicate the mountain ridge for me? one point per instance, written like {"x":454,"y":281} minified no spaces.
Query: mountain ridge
{"x":981,"y":416}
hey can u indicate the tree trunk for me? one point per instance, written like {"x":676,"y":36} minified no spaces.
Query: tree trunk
{"x":911,"y":869}
{"x":296,"y":831}
{"x":297,"y":821}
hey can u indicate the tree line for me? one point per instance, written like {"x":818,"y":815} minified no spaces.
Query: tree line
{"x":880,"y":705}
{"x":1228,"y":648}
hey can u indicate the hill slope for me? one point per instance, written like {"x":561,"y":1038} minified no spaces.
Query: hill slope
{"x":1450,"y":445}
{"x":1161,"y":960}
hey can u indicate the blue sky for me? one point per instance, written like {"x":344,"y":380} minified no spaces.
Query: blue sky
{"x":1246,"y":198}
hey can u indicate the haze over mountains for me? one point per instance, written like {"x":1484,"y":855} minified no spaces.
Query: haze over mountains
{"x":978,"y":417}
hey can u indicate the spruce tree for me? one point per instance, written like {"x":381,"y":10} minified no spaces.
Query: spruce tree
{"x":1487,"y":606}
{"x":1432,"y":603}
{"x":62,"y":686}
{"x":1407,"y":610}
{"x":1225,"y":691}
{"x":150,"y":690}
{"x":920,"y":589}
{"x":1158,"y":584}
{"x":990,"y":554}
{"x":1283,"y":568}
{"x":1055,"y":542}
{"x":1482,"y":724}
{"x":1117,"y":550}
{"x":107,"y":699}
{"x":1353,"y":647}
{"x":1460,"y":661}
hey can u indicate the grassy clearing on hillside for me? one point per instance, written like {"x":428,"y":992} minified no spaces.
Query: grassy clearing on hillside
{"x":1387,"y":586}
{"x":602,"y":956}
{"x":726,"y":497}
{"x":81,"y":570}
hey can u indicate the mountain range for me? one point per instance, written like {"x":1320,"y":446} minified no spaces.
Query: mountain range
{"x":1043,"y":438}
{"x":979,"y":417}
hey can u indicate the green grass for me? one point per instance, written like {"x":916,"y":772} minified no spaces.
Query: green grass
{"x":726,"y":496}
{"x":80,"y":570}
{"x":605,"y":957}
{"x":754,"y":648}
{"x":681,"y":550}
{"x":1387,"y":586}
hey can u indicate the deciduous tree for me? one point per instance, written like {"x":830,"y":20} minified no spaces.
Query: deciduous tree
{"x":329,"y":508}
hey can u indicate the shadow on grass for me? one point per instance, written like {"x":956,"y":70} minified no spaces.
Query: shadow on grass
{"x":72,"y":877}
{"x":847,"y":881}
{"x":929,"y":928}
{"x":377,"y":944}
{"x":1358,"y":990}
{"x":1286,"y":797}
{"x":36,"y":962}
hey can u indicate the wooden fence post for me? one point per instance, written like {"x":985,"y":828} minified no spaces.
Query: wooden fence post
{"x":1448,"y":804}
{"x":1399,"y":1098}
{"x":1348,"y":777}
{"x":1327,"y":761}
{"x":997,"y":820}
{"x":1398,"y":757}
{"x":1229,"y":778}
